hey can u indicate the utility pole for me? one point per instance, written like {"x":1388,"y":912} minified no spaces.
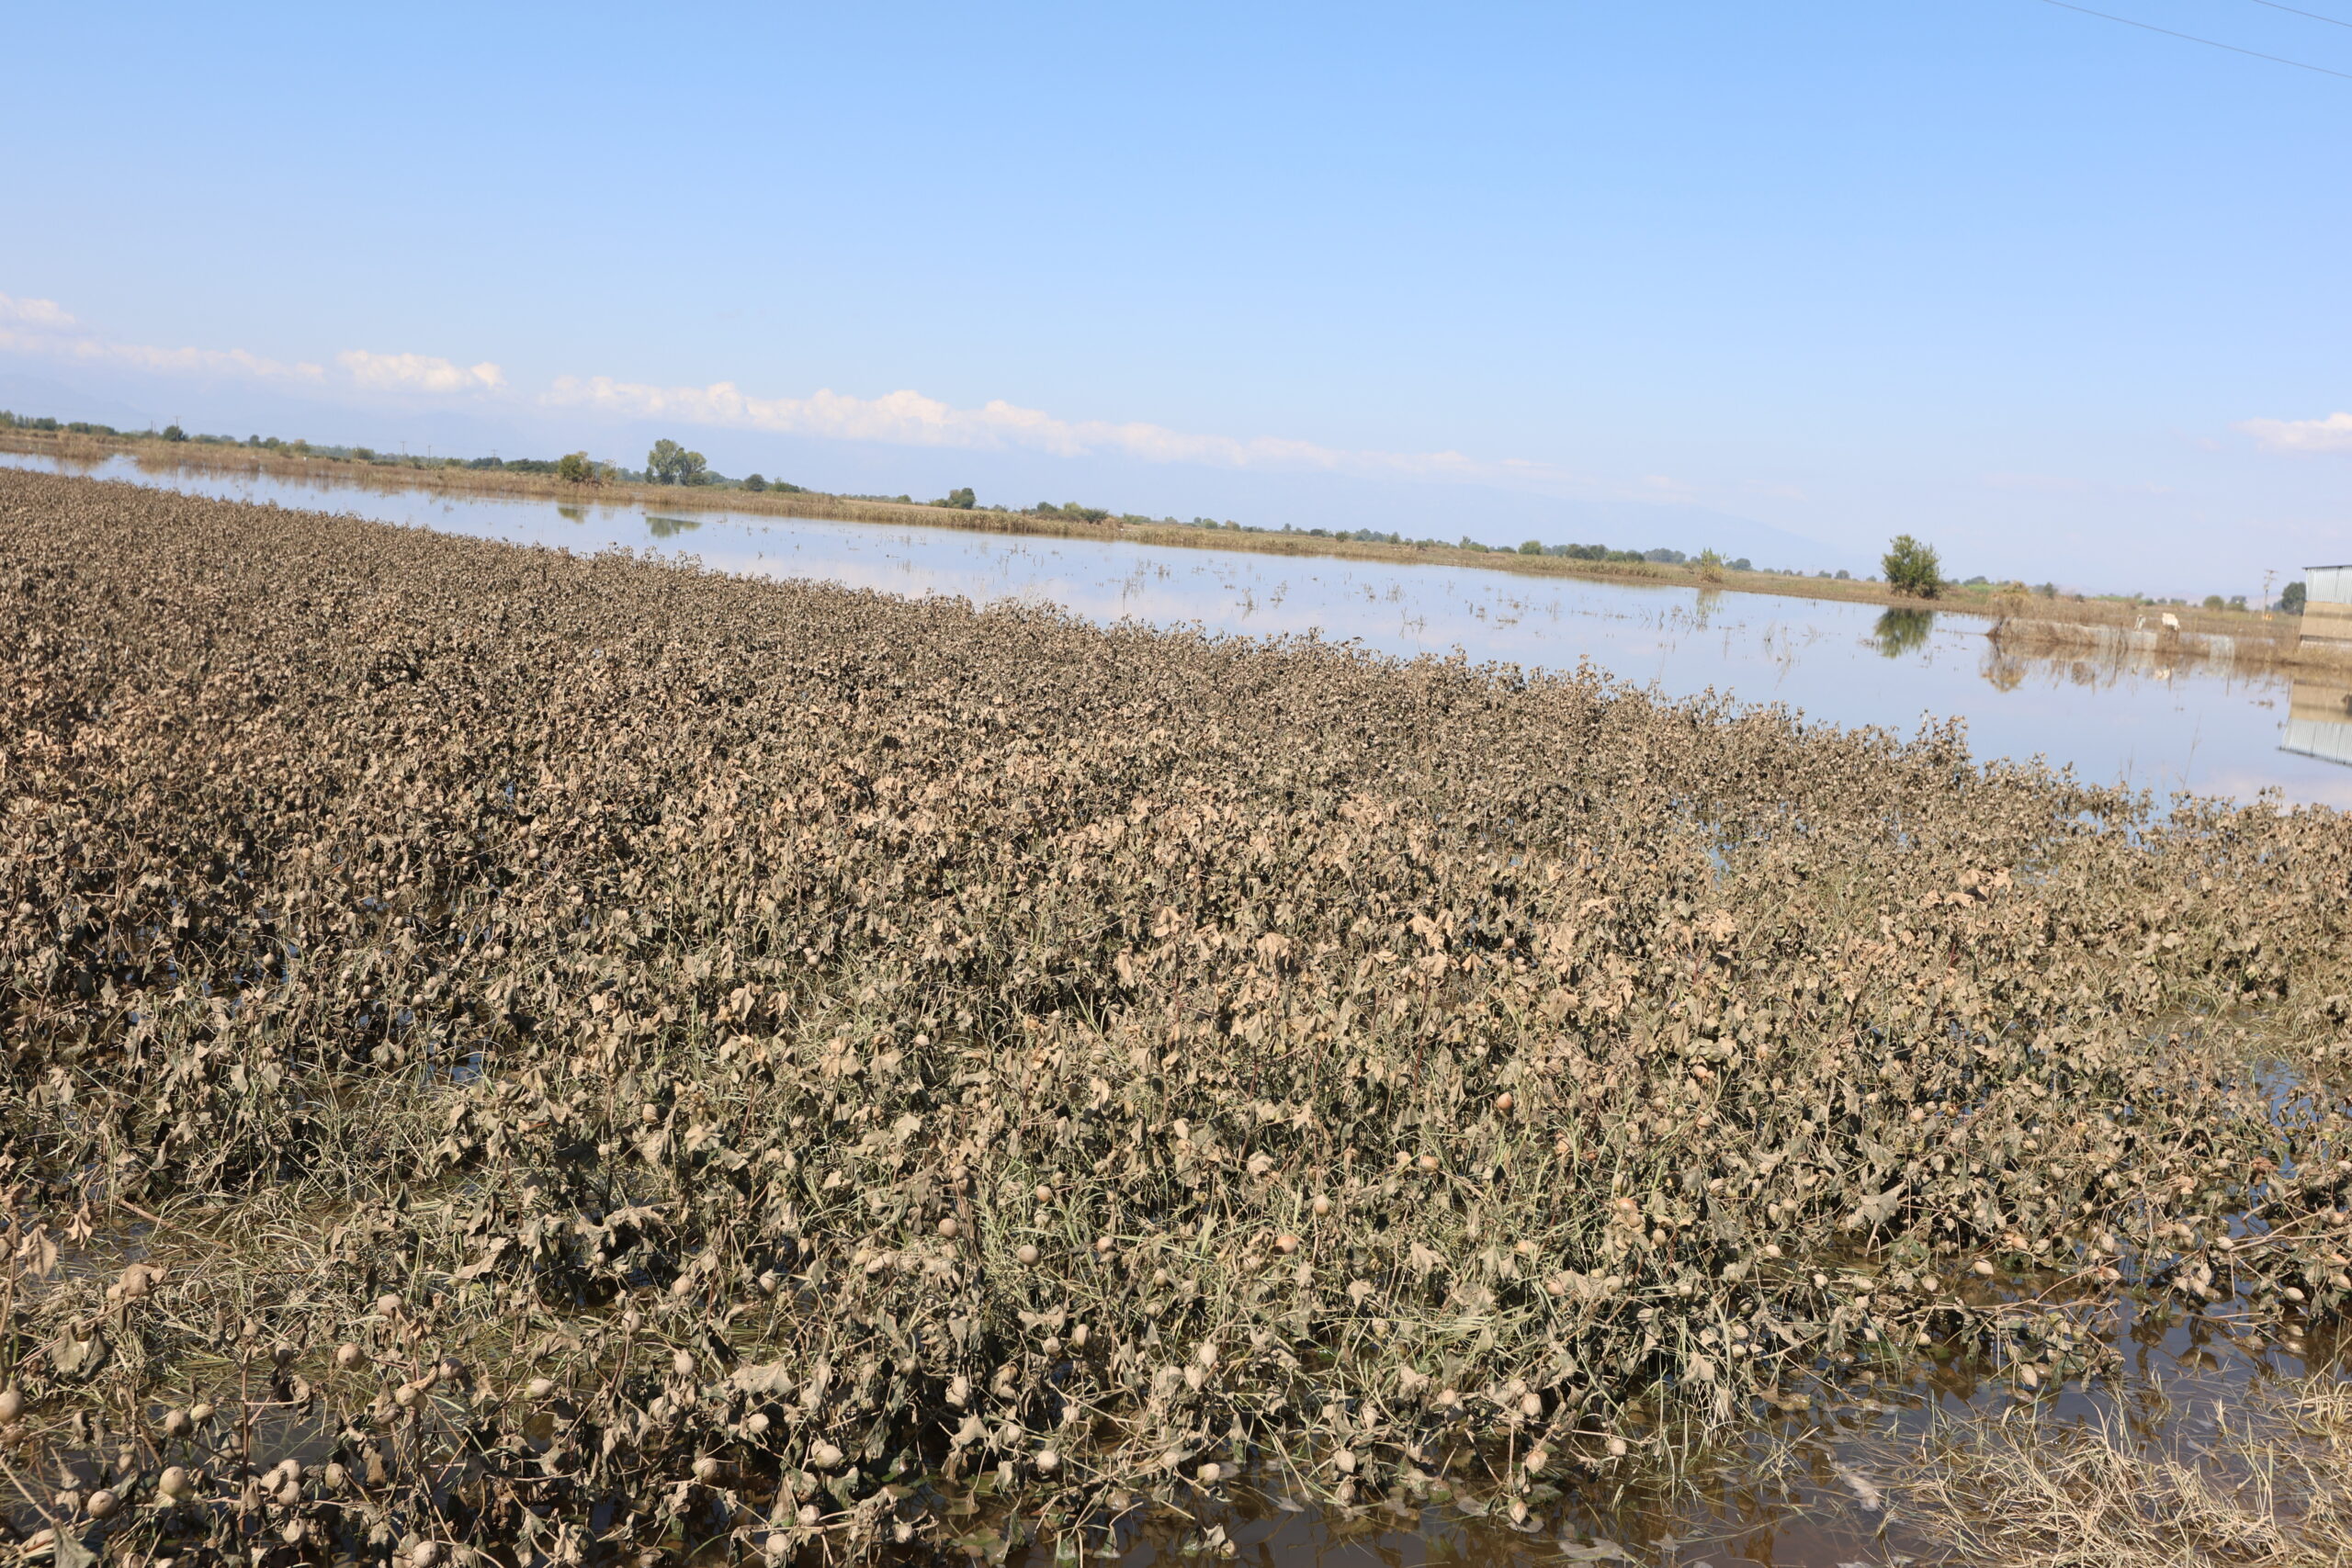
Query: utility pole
{"x":2268,"y":573}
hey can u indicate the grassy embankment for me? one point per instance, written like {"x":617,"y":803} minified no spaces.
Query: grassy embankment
{"x":609,"y":1058}
{"x":2028,"y":624}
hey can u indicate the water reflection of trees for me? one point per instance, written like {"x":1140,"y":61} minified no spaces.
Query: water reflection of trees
{"x":1899,"y":632}
{"x":2003,"y":672}
{"x":666,"y":527}
{"x":2005,"y":669}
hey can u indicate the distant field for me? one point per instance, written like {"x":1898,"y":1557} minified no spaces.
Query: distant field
{"x":589,"y":1058}
{"x":2263,"y":638}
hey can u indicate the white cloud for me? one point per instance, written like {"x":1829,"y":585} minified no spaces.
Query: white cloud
{"x":38,"y":314}
{"x":418,"y":373}
{"x":45,"y":328}
{"x":86,"y":349}
{"x":910,"y":419}
{"x":2333,"y":434}
{"x":901,"y":418}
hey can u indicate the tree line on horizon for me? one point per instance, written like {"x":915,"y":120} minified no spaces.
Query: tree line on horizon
{"x":1911,"y":567}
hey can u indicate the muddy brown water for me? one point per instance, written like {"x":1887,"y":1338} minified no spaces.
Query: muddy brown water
{"x":1790,"y":1491}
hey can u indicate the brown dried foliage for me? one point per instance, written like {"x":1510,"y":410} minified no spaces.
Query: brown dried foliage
{"x":1403,"y":1073}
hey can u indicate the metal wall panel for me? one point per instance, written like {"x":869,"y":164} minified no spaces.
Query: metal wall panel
{"x":2319,"y":721}
{"x":2327,"y":604}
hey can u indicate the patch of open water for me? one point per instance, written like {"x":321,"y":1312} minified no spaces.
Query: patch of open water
{"x":2144,"y":724}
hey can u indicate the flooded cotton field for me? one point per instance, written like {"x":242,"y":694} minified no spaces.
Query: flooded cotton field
{"x":2151,"y":723}
{"x":517,"y":1057}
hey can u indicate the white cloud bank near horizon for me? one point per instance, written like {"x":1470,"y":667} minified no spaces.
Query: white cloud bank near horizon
{"x":904,"y":418}
{"x":46,"y":329}
{"x":2333,"y":434}
{"x":418,"y":373}
{"x":410,"y":382}
{"x":908,"y":418}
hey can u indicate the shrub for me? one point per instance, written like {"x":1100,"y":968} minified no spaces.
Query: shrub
{"x":574,"y":467}
{"x":1911,"y":568}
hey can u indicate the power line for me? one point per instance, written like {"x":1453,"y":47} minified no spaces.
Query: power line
{"x":2211,"y":44}
{"x":2314,"y":16}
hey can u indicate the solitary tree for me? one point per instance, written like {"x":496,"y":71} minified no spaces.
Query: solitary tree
{"x":173,"y":432}
{"x":2292,"y":599}
{"x":671,"y":464}
{"x":960,"y":499}
{"x":754,"y":482}
{"x":1912,"y":567}
{"x":574,"y":468}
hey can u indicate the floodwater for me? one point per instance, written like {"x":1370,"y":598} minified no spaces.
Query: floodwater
{"x":1785,"y":1492}
{"x":2144,"y":724}
{"x":1801,"y":1487}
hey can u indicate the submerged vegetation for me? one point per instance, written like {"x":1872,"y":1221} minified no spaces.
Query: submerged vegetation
{"x":586,"y":1056}
{"x":2270,"y":1486}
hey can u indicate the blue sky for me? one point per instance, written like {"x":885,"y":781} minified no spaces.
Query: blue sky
{"x":2064,"y":295}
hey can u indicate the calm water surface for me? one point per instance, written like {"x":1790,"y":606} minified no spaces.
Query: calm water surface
{"x":2153,"y":727}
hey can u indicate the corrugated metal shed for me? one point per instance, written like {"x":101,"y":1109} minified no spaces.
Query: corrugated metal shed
{"x":2328,"y":604}
{"x":2319,"y":722}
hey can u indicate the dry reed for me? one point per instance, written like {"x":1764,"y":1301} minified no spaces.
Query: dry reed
{"x":2268,"y":1487}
